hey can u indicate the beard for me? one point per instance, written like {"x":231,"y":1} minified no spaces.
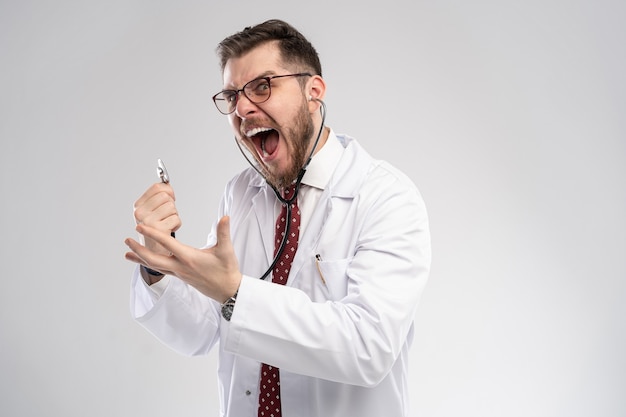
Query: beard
{"x":298,"y":138}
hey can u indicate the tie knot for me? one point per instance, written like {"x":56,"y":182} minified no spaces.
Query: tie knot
{"x":289,"y":192}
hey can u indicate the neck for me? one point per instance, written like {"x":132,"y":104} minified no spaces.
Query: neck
{"x":322,"y":140}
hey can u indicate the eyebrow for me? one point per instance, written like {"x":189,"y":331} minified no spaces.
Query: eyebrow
{"x":264,"y":74}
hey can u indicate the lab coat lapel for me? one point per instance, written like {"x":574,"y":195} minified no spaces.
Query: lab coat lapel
{"x":344,"y":184}
{"x":264,"y":204}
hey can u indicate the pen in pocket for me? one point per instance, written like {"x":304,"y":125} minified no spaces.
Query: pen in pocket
{"x":318,"y":259}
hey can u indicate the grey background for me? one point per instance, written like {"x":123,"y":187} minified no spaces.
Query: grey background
{"x":509,"y":116}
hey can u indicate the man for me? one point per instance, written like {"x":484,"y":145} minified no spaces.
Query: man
{"x":327,"y":330}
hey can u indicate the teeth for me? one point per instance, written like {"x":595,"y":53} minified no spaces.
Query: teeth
{"x":256,"y":131}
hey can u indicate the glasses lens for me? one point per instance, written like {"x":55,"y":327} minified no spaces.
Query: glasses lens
{"x":258,"y":90}
{"x":226,"y":101}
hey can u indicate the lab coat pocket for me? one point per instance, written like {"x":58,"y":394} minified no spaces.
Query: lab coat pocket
{"x":334,"y":276}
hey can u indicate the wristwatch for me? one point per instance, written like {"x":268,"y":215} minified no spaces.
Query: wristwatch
{"x":228,"y":307}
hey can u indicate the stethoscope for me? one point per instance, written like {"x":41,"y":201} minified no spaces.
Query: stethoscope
{"x":288,"y":202}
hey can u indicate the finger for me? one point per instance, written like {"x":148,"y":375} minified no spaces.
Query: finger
{"x":164,"y":239}
{"x":155,"y":204}
{"x":166,"y":214}
{"x":154,"y":190}
{"x":132,"y":256}
{"x":136,"y":250}
{"x":141,"y":255}
{"x":174,"y":221}
{"x":223,"y":233}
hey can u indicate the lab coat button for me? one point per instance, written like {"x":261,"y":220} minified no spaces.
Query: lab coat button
{"x":248,"y":392}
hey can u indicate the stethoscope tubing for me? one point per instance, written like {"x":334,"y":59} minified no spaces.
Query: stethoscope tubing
{"x":288,"y":202}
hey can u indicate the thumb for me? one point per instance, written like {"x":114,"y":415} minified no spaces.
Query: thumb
{"x":223,"y":232}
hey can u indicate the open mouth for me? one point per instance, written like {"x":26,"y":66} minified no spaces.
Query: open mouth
{"x":265,"y":140}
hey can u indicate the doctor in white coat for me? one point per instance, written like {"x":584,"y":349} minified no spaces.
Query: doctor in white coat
{"x":341,"y":328}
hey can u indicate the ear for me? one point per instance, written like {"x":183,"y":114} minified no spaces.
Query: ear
{"x":316,"y":89}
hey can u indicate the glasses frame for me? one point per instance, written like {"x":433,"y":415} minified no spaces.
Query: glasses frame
{"x":243,"y":90}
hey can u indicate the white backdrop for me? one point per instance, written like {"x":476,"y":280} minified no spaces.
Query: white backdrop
{"x":509,"y":116}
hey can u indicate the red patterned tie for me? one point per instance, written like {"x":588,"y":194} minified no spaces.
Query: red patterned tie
{"x":269,"y":383}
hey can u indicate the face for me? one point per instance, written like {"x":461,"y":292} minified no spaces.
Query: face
{"x":279,"y":131}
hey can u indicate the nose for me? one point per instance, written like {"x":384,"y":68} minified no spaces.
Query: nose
{"x":244,"y":106}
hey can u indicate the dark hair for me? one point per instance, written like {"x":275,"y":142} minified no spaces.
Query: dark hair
{"x":294,"y":47}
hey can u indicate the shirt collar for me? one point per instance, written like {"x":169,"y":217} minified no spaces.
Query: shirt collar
{"x":323,"y":163}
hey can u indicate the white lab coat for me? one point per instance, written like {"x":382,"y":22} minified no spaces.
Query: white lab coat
{"x":342,"y":346}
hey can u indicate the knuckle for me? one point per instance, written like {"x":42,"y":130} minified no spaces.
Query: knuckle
{"x":171,"y":206}
{"x":138,"y":213}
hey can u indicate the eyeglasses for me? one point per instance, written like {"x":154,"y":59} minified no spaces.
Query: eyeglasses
{"x":257,"y":91}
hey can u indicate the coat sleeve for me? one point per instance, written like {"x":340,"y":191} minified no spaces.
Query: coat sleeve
{"x":181,"y":318}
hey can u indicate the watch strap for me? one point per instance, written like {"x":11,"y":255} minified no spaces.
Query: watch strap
{"x":152,"y":271}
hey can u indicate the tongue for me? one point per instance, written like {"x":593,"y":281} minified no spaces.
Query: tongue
{"x":271,"y":142}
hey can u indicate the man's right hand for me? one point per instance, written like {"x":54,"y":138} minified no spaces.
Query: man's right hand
{"x":157,"y":208}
